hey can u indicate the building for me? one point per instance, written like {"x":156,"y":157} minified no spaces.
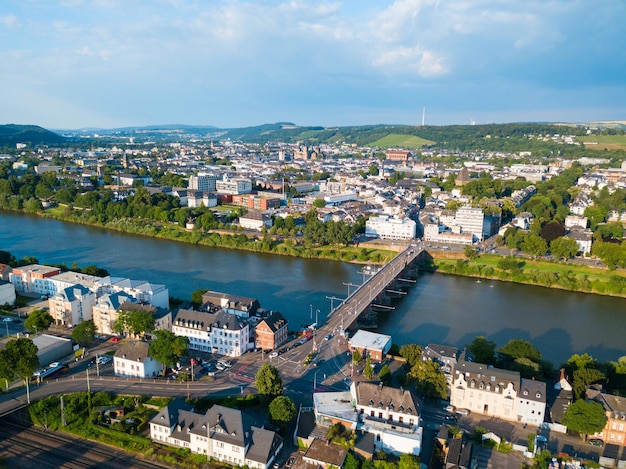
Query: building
{"x":255,"y":220}
{"x":222,"y":434}
{"x":233,"y":186}
{"x":203,"y":183}
{"x":51,"y":348}
{"x":106,"y":310}
{"x":385,"y":227}
{"x":583,"y":237}
{"x":614,"y":431}
{"x":370,"y":344}
{"x":33,"y":278}
{"x":141,"y":290}
{"x":390,"y":415}
{"x":271,"y":332}
{"x":325,"y":456}
{"x":222,"y":333}
{"x":72,"y":305}
{"x":241,"y":306}
{"x":132,"y":359}
{"x":7,"y":293}
{"x":471,"y":221}
{"x":498,"y":393}
{"x":398,"y":155}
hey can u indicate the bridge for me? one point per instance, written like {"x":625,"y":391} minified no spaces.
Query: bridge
{"x":347,"y":312}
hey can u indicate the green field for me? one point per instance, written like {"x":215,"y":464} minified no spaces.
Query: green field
{"x":610,"y":142}
{"x":400,"y":140}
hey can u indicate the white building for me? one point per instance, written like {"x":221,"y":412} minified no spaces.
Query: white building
{"x":222,"y":434}
{"x":7,"y":293}
{"x":234,"y":186}
{"x":203,"y":182}
{"x":106,"y":310}
{"x":370,"y":344}
{"x":391,"y":415}
{"x":497,"y":393}
{"x":132,"y":359}
{"x":385,"y":227}
{"x":221,"y":333}
{"x":140,"y":290}
{"x":33,"y":279}
{"x":72,"y":305}
{"x":255,"y":220}
{"x":471,"y":221}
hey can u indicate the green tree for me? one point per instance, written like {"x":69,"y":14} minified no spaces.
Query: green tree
{"x":268,"y":382}
{"x":409,"y":461}
{"x":282,"y":410}
{"x":38,"y":320}
{"x":351,"y":462}
{"x":83,"y":333}
{"x":22,"y":355}
{"x":412,"y":353}
{"x":470,"y":252}
{"x":564,"y":248}
{"x":585,"y":417}
{"x":483,"y":350}
{"x":196,"y":297}
{"x":431,"y":381}
{"x":134,"y":322}
{"x":534,"y":245}
{"x":167,"y":348}
{"x":356,"y":357}
{"x":384,"y":375}
{"x":583,"y":378}
{"x":519,"y":348}
{"x":319,"y":203}
{"x":368,"y":371}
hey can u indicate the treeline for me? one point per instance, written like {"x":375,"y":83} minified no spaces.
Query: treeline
{"x":9,"y":259}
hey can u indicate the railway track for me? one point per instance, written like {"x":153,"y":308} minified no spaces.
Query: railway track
{"x":25,"y":446}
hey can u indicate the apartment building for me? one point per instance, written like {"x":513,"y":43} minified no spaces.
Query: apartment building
{"x":614,"y":432}
{"x":33,"y":278}
{"x":271,"y":331}
{"x":471,"y":221}
{"x":203,"y":182}
{"x":72,"y":305}
{"x":386,"y":227}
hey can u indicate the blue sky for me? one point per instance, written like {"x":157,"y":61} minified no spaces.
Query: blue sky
{"x":232,"y":63}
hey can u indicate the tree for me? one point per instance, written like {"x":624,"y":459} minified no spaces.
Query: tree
{"x":134,"y":322}
{"x":196,"y":297}
{"x":534,"y":245}
{"x":282,"y":410}
{"x":583,"y":378}
{"x":22,"y":355}
{"x":368,"y":371}
{"x":166,"y":347}
{"x":412,"y":353}
{"x":483,"y":350}
{"x":356,"y":357}
{"x":268,"y":382}
{"x":431,"y":381}
{"x":83,"y":333}
{"x":470,"y":252}
{"x":520,"y":348}
{"x":564,"y":247}
{"x":585,"y":417}
{"x":38,"y":320}
{"x":319,"y":203}
{"x":384,"y":375}
{"x":409,"y":461}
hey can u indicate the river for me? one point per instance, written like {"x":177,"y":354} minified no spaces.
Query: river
{"x":439,"y":308}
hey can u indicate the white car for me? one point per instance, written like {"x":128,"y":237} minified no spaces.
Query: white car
{"x":103,"y":360}
{"x":273,"y":354}
{"x":8,"y":319}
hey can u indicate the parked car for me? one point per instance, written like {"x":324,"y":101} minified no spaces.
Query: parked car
{"x":449,"y":408}
{"x":292,"y":460}
{"x":328,"y":337}
{"x":273,"y":354}
{"x":596,"y":442}
{"x":115,"y":340}
{"x":8,"y":319}
{"x":462,"y":411}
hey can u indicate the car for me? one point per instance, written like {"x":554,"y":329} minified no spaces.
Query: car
{"x":103,"y":360}
{"x":596,"y":442}
{"x":292,"y":460}
{"x":541,"y":438}
{"x":450,"y":418}
{"x":54,"y":365}
{"x":273,"y":354}
{"x":328,"y":337}
{"x":462,"y":411}
{"x":8,"y":319}
{"x":115,"y":340}
{"x":449,"y":408}
{"x":19,"y":321}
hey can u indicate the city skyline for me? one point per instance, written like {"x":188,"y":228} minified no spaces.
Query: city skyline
{"x":108,"y":63}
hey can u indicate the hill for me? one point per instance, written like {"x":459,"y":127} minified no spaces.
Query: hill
{"x":11,"y":134}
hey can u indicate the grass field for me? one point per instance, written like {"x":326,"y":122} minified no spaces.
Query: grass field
{"x":610,"y":142}
{"x":400,"y":140}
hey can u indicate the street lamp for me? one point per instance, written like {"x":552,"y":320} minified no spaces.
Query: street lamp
{"x":315,"y":379}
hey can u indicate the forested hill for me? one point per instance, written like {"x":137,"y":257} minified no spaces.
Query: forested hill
{"x":463,"y":137}
{"x":11,"y":134}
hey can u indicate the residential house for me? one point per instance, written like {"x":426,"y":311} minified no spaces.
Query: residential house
{"x":106,"y":310}
{"x":321,"y":454}
{"x":459,"y":454}
{"x":72,"y":305}
{"x":222,"y":434}
{"x":255,"y":220}
{"x":132,"y":359}
{"x":499,"y":393}
{"x":241,"y":306}
{"x":614,"y":432}
{"x":271,"y":331}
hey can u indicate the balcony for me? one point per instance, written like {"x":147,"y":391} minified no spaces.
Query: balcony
{"x":387,"y":424}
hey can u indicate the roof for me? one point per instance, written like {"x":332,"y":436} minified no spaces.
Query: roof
{"x":532,"y":390}
{"x":369,"y":340}
{"x":275,"y":321}
{"x":169,"y":415}
{"x":443,"y":351}
{"x":328,"y":453}
{"x":134,"y":350}
{"x":372,"y":394}
{"x":480,"y":370}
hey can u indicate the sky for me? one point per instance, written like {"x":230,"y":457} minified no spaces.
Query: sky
{"x":69,"y":64}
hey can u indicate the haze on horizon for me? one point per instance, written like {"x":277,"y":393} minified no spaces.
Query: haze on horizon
{"x":232,"y":63}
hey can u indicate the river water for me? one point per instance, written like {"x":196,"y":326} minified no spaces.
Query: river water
{"x":438,"y":308}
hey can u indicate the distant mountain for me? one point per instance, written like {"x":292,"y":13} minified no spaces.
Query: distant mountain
{"x":11,"y":134}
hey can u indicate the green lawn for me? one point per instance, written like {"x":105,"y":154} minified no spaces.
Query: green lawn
{"x":611,"y":142}
{"x":400,"y":140}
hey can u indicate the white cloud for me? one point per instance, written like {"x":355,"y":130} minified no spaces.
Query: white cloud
{"x":9,"y":21}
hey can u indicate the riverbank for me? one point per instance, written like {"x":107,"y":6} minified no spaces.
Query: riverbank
{"x":549,"y":274}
